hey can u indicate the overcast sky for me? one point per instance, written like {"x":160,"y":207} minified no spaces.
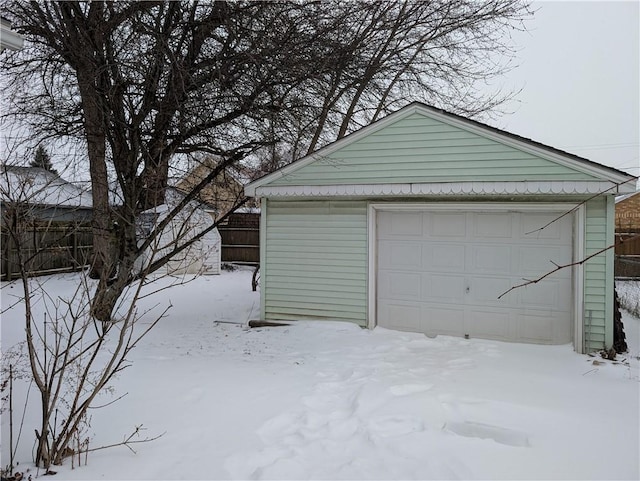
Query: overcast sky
{"x":579,"y":67}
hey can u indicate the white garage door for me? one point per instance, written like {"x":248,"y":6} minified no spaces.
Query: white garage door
{"x":442,"y":272}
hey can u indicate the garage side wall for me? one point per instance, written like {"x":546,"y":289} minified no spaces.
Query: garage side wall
{"x":598,"y":275}
{"x":315,"y":260}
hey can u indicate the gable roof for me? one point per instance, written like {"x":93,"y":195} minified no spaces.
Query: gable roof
{"x":38,"y":186}
{"x":590,"y":170}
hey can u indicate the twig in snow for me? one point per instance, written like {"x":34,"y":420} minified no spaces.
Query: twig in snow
{"x":128,"y":441}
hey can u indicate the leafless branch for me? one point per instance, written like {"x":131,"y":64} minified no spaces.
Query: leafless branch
{"x":564,"y":266}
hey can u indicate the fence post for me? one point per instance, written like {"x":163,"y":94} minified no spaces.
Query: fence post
{"x":9,"y":273}
{"x":74,"y":239}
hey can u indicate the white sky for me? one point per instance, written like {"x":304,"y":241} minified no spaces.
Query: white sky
{"x":579,"y":74}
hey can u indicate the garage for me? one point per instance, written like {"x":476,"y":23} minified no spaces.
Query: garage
{"x":442,"y":272}
{"x":420,"y":222}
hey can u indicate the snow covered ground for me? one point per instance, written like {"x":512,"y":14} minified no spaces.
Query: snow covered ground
{"x":329,"y":400}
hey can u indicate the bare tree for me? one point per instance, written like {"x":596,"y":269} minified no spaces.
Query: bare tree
{"x":70,"y":357}
{"x":143,"y":82}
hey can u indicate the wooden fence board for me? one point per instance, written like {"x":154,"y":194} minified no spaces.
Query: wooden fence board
{"x":46,"y":249}
{"x":628,"y":244}
{"x":241,"y":238}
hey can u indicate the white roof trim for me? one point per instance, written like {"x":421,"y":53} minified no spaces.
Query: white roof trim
{"x":446,"y":188}
{"x":8,"y":38}
{"x":588,"y":167}
{"x":626,"y":196}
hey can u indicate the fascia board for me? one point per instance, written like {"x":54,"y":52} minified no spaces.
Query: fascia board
{"x":10,"y":39}
{"x":561,"y":187}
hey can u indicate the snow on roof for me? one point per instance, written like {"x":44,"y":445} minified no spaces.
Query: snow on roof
{"x":248,"y":210}
{"x":620,"y":198}
{"x":37,"y":186}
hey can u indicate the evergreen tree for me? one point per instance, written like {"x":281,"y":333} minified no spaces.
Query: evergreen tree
{"x":42,"y":160}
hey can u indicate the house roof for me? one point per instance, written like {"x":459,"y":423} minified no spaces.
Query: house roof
{"x":9,"y":38}
{"x":37,"y":186}
{"x":622,"y":198}
{"x":558,"y":156}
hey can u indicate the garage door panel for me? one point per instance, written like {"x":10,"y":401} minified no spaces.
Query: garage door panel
{"x":444,"y":287}
{"x":491,"y":259}
{"x":442,"y":272}
{"x":445,"y":320}
{"x":449,"y":225}
{"x":402,"y":316}
{"x":493,"y":226}
{"x":445,"y":257}
{"x":486,"y":290}
{"x":551,"y":294}
{"x":543,"y":226}
{"x":401,"y":285}
{"x":400,"y":255}
{"x":489,"y":324}
{"x":401,"y":224}
{"x":539,"y":260}
{"x":536,"y":329}
{"x":544,"y":295}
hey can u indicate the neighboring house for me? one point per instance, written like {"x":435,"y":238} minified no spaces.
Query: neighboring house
{"x":628,"y":236}
{"x":628,"y":213}
{"x":45,"y":195}
{"x":202,"y":257}
{"x":49,"y":215}
{"x":240,"y":238}
{"x":423,"y":220}
{"x":223,"y":193}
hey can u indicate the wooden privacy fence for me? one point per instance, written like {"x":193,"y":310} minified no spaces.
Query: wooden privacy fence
{"x":628,"y":243}
{"x":241,"y":238}
{"x":627,"y":263}
{"x":46,"y":248}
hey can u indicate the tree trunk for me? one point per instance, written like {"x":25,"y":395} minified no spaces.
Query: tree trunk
{"x":154,"y":178}
{"x":109,"y":290}
{"x":94,"y":126}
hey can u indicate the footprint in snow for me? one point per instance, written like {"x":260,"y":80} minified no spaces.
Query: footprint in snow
{"x":468,"y":429}
{"x":461,"y":363}
{"x":273,"y":430}
{"x":193,"y":395}
{"x":406,"y":389}
{"x":387,"y":426}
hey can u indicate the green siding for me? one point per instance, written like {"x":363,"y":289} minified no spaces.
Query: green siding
{"x":598,"y":274}
{"x":315,"y":264}
{"x":420,"y":149}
